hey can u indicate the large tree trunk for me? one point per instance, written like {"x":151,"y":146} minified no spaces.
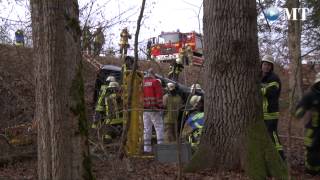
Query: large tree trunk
{"x":233,"y":103}
{"x":60,"y":109}
{"x":294,"y":44}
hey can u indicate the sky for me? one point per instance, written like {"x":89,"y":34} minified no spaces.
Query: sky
{"x":160,"y":15}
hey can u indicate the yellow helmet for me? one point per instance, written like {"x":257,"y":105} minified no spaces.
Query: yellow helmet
{"x":195,"y":100}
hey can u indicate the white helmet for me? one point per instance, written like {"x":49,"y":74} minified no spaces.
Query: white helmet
{"x":113,"y":85}
{"x":317,"y":78}
{"x":171,"y":86}
{"x":111,"y":79}
{"x":179,"y":61}
{"x":268,"y":58}
{"x":195,"y":86}
{"x":195,"y":100}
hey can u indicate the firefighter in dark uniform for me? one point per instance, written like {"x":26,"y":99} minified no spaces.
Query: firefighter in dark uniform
{"x":149,"y":44}
{"x":271,"y":88}
{"x":109,"y":106}
{"x":194,"y":122}
{"x":98,"y":41}
{"x":19,"y":37}
{"x":175,"y":69}
{"x":124,"y":44}
{"x":310,"y":103}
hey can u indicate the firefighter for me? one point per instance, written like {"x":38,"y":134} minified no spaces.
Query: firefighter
{"x":183,"y":56}
{"x":124,"y":45}
{"x":271,"y":88}
{"x":310,"y":104}
{"x":98,"y":41}
{"x":175,"y":69}
{"x":108,"y":109}
{"x":194,"y":122}
{"x":86,"y":39}
{"x":149,"y":49}
{"x":152,"y":114}
{"x":19,"y":37}
{"x":189,"y":54}
{"x":172,"y":102}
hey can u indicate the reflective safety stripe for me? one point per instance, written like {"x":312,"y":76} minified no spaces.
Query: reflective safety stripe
{"x":107,"y":136}
{"x":99,"y":108}
{"x":314,"y":120}
{"x":270,"y":116}
{"x":308,"y":137}
{"x":277,"y":142}
{"x":268,"y":85}
{"x":114,"y":121}
{"x":265,"y":102}
{"x":198,"y":125}
{"x":102,"y":94}
{"x":198,"y":116}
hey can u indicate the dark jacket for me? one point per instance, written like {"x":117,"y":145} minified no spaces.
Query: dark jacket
{"x":310,"y":101}
{"x":271,"y":88}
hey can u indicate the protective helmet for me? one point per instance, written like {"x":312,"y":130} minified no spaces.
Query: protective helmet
{"x":179,"y":61}
{"x":171,"y":86}
{"x":111,"y":79}
{"x":268,"y":58}
{"x":317,"y":78}
{"x":150,"y":73}
{"x":195,"y":100}
{"x":195,"y":86}
{"x":113,"y":85}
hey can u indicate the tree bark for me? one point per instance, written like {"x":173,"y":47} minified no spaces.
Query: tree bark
{"x":233,"y":103}
{"x":294,"y":45}
{"x":60,"y":108}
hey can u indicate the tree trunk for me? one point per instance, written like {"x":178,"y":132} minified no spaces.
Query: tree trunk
{"x":294,"y":44}
{"x":60,"y":108}
{"x":233,"y":103}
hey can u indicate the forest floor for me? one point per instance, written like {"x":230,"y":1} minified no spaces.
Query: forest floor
{"x":19,"y":161}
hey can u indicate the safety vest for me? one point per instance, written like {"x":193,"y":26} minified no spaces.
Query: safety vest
{"x":152,"y":93}
{"x":195,"y":121}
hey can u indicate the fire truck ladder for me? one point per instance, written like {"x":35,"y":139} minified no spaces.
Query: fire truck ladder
{"x":92,"y":61}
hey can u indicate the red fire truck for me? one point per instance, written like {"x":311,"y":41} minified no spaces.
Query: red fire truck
{"x":166,"y":46}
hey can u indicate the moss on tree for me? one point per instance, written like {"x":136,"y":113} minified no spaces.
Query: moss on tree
{"x":79,"y":110}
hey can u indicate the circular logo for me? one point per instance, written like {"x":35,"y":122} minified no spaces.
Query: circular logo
{"x":272,"y":13}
